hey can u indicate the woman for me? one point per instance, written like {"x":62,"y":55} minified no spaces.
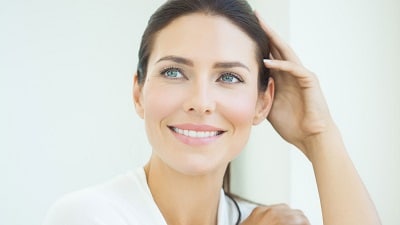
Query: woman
{"x":203,"y":81}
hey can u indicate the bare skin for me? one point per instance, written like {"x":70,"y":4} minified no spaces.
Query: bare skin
{"x":301,"y":116}
{"x":280,"y":214}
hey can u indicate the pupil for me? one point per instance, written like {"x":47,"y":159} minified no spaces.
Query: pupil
{"x":228,"y":78}
{"x":172,"y":73}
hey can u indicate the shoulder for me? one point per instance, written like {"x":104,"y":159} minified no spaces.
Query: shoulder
{"x":81,"y":207}
{"x":107,"y":203}
{"x":246,"y":207}
{"x":236,"y":208}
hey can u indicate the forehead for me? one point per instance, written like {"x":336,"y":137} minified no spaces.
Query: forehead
{"x":204,"y":37}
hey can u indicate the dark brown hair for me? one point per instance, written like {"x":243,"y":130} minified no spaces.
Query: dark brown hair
{"x":238,"y":12}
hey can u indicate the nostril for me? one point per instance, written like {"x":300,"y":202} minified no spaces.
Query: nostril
{"x":199,"y":103}
{"x":202,"y":111}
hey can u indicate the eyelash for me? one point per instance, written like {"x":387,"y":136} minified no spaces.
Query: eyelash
{"x":168,"y":69}
{"x":234,"y":75}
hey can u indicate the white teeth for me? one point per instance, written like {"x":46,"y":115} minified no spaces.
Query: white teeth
{"x":196,"y":134}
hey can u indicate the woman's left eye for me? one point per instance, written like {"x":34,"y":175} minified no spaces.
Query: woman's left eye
{"x":173,"y":73}
{"x":230,"y":78}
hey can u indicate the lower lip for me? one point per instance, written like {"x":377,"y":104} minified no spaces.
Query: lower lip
{"x":195,"y":141}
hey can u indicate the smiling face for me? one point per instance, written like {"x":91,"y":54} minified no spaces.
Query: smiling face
{"x":200,"y":96}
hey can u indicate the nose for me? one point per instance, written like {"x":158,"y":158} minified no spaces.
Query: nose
{"x":200,"y":99}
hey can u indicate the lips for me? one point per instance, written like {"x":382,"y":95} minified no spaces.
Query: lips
{"x":196,"y":134}
{"x":191,"y":134}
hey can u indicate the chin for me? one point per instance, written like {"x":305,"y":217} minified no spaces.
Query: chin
{"x":204,"y":168}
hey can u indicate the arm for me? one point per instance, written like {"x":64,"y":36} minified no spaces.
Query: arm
{"x":301,"y":116}
{"x":344,"y":199}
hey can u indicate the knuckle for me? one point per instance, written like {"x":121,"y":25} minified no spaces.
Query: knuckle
{"x":299,"y":218}
{"x":258,"y":212}
{"x":260,"y":209}
{"x":282,"y":206}
{"x":278,"y":214}
{"x":298,"y":211}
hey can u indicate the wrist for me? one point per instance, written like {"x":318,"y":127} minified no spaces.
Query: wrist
{"x":328,"y":141}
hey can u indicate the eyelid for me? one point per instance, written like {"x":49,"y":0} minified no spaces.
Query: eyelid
{"x":237,"y":76}
{"x":165,"y":69}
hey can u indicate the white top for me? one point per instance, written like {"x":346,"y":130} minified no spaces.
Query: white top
{"x":126,"y":200}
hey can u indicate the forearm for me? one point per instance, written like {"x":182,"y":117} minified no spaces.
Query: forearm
{"x":344,"y":198}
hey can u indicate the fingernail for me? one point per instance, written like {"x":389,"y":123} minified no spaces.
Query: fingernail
{"x":268,"y":61}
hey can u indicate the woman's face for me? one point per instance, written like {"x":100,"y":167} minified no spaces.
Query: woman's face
{"x":200,"y":96}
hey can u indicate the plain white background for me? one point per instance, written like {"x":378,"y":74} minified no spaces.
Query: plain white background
{"x":67,"y":119}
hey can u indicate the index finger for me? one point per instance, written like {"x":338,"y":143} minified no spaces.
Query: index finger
{"x":276,"y":42}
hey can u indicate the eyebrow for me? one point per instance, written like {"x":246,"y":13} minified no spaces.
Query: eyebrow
{"x":176,"y":59}
{"x":181,"y":60}
{"x":227,"y":65}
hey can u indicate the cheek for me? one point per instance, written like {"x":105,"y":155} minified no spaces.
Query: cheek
{"x":241,"y":110}
{"x":160,"y":101}
{"x":240,"y":115}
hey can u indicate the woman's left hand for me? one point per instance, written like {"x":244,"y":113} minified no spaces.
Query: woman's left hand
{"x":299,"y":110}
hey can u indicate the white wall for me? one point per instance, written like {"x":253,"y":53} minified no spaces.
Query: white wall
{"x":67,"y":120}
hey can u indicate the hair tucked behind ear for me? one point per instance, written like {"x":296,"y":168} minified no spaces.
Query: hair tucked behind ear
{"x":238,"y":12}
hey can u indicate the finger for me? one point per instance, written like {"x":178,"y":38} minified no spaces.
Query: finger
{"x":274,"y":53}
{"x":276,"y":41}
{"x":278,"y":206}
{"x":276,"y":214}
{"x":284,"y":214}
{"x":294,"y":69}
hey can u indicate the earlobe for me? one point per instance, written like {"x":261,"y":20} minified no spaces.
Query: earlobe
{"x":264,"y":103}
{"x":137,"y":96}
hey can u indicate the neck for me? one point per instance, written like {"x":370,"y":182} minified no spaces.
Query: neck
{"x":184,"y":199}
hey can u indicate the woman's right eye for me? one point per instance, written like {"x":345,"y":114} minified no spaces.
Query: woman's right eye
{"x":173,"y":73}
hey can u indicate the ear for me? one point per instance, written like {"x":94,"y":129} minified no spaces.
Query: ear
{"x":137,"y":96}
{"x":264,"y":103}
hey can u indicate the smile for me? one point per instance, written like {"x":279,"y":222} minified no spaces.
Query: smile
{"x":196,"y":134}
